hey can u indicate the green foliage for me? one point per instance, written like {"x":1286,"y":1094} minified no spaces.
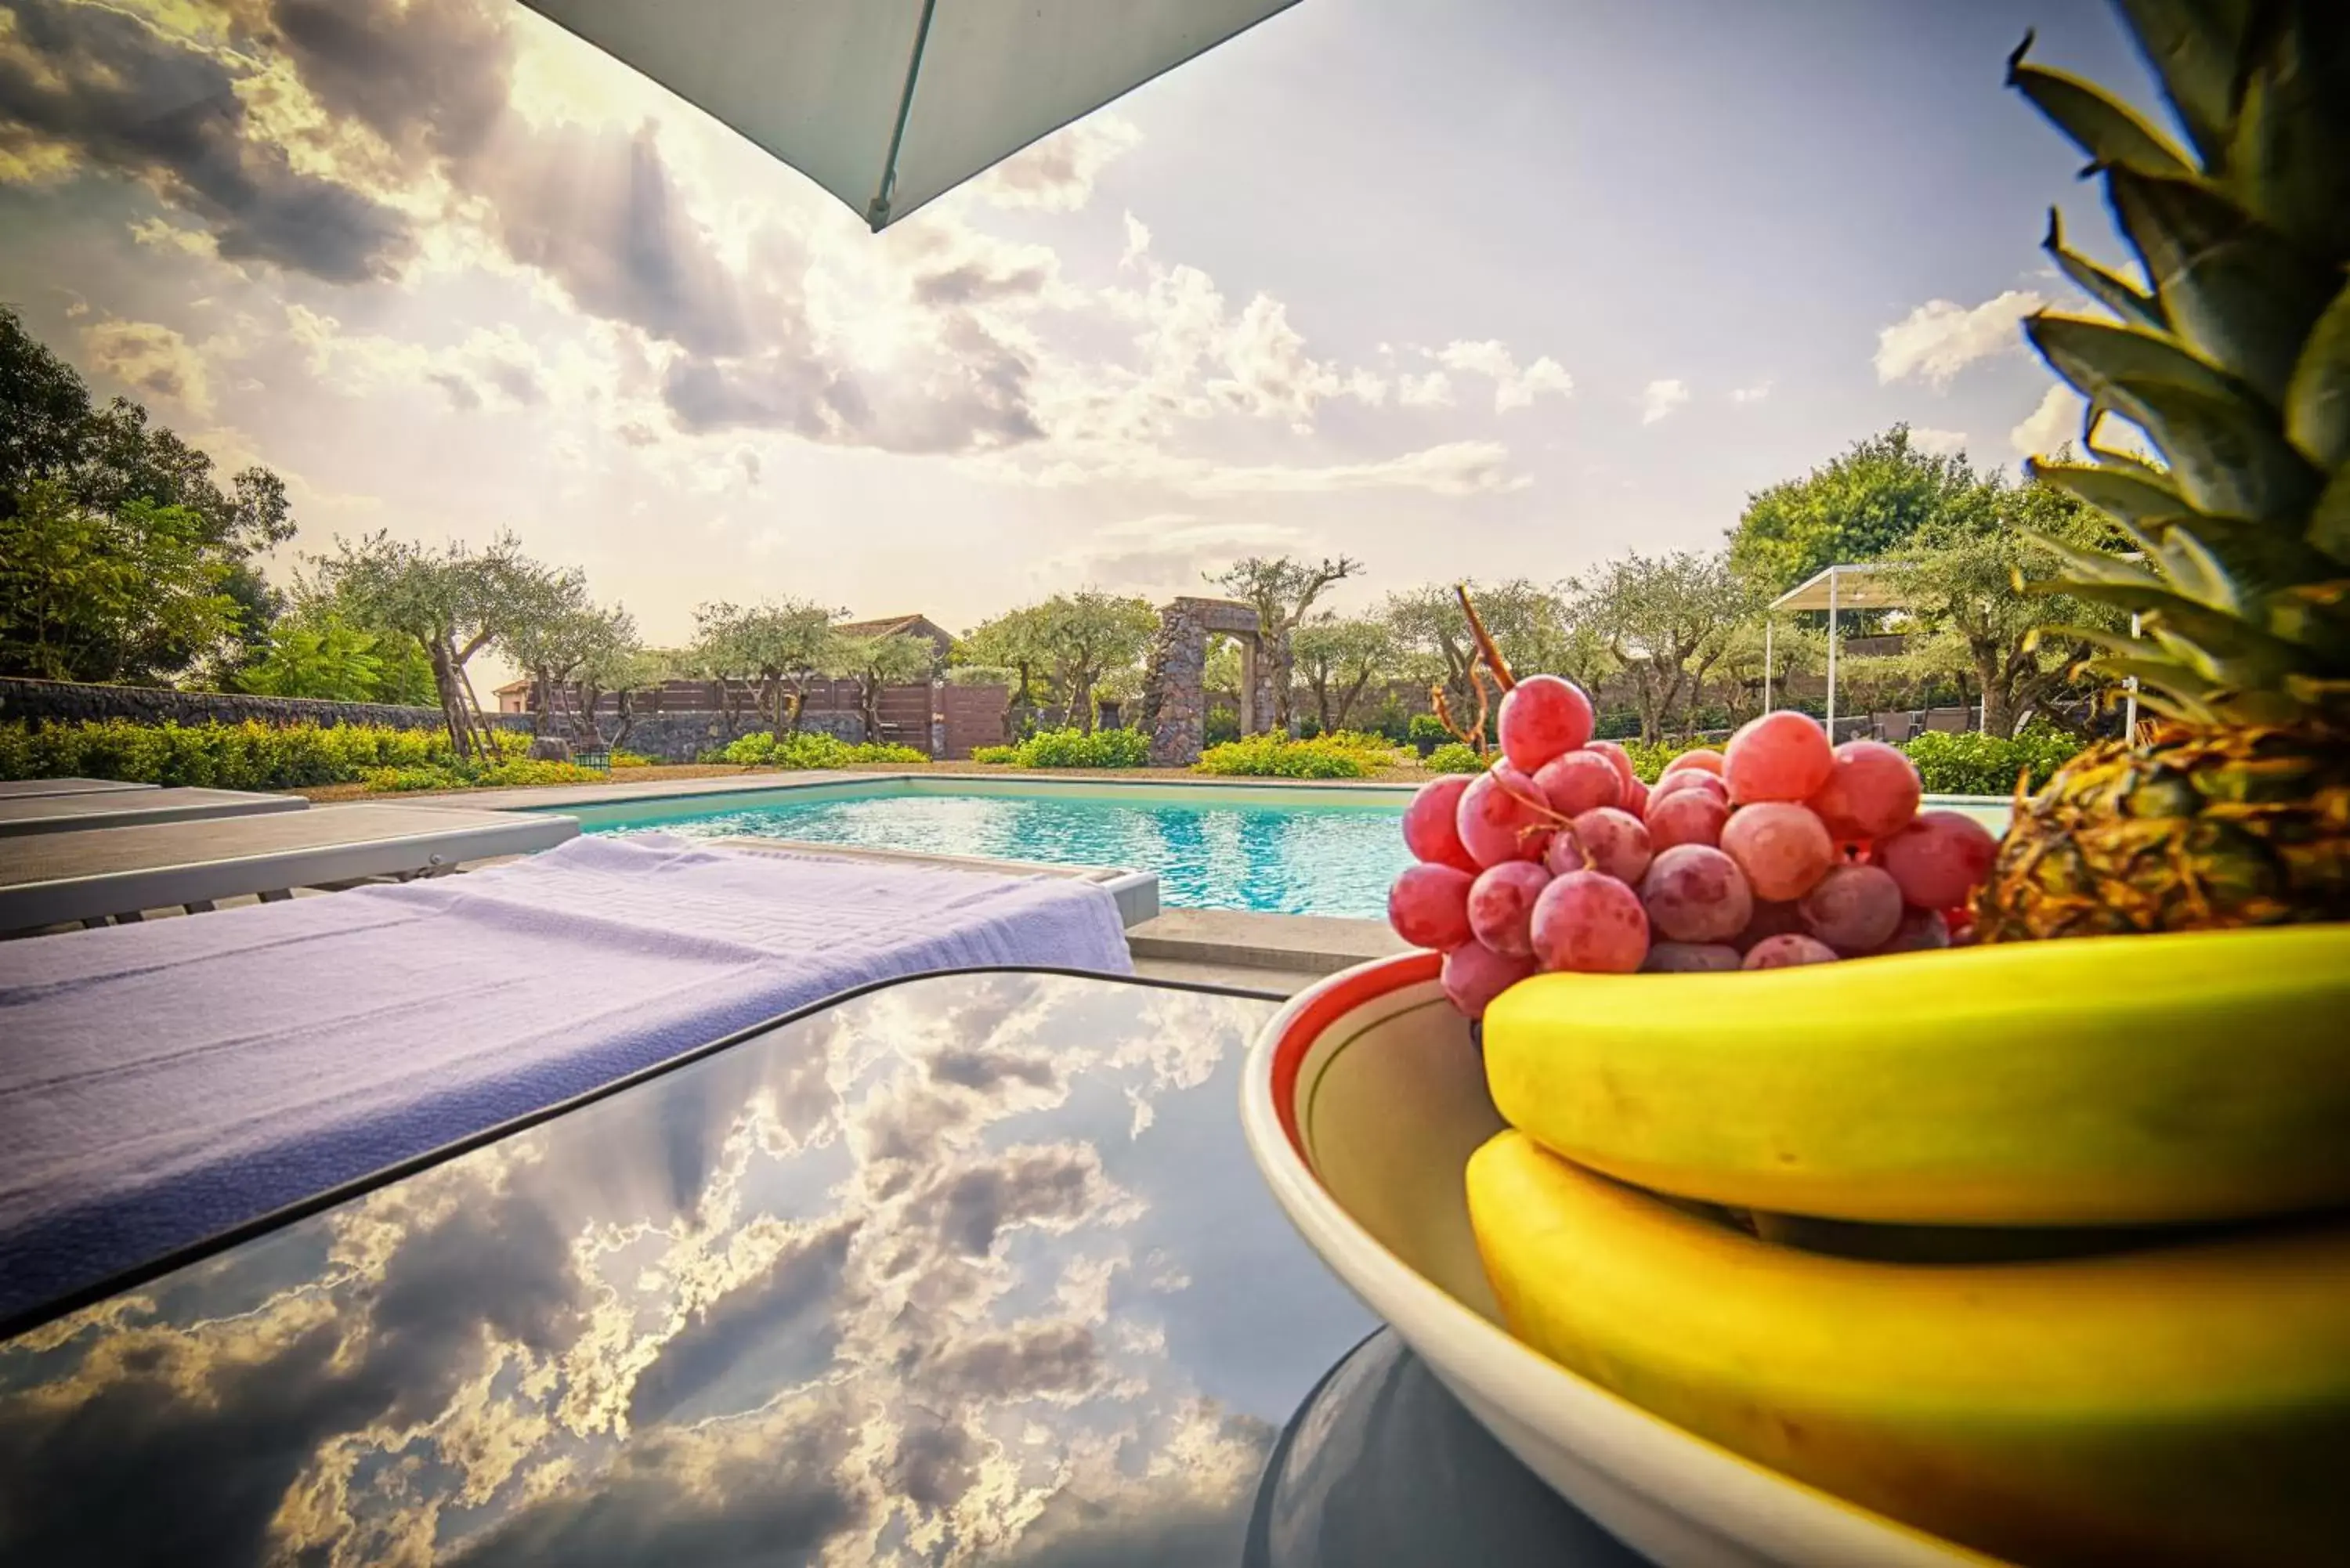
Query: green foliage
{"x":1860,"y":506}
{"x":1343,"y":755}
{"x":317,"y":653}
{"x":224,"y":756}
{"x":1978,"y":763}
{"x":1071,"y":640}
{"x":1337,"y":658}
{"x":810,"y":749}
{"x":621,"y":759}
{"x":1071,"y":749}
{"x":1455,"y":757}
{"x":92,"y":497}
{"x":91,"y":595}
{"x":1426,"y":732}
{"x":782,"y":644}
{"x":1649,"y":757}
{"x":520,"y":772}
{"x":1666,"y":622}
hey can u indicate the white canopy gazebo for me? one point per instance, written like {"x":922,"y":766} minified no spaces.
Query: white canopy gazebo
{"x":1833,"y":589}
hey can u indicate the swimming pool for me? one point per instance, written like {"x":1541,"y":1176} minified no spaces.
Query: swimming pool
{"x":1289,"y":851}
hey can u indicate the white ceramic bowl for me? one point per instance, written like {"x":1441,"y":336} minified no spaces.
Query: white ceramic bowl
{"x":1363,"y":1100}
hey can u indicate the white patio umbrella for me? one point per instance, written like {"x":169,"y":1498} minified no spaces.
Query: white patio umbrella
{"x":888,"y":103}
{"x":1837,"y":589}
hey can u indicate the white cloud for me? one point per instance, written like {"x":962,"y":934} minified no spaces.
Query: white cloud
{"x":1514,"y":388}
{"x":1433,"y":391}
{"x":152,"y":360}
{"x":1057,"y":173}
{"x":1941,"y":337}
{"x":1658,"y":398}
{"x":2054,"y":423}
{"x":1753,"y":394}
{"x":1941,"y":443}
{"x":1164,"y":552}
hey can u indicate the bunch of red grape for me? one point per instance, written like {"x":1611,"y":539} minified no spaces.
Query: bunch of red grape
{"x":1777,"y":850}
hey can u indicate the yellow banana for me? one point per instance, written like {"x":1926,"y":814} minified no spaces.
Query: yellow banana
{"x":2111,"y":1081}
{"x":2184,"y":1404}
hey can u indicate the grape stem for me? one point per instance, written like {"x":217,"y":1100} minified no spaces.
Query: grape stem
{"x":1486,"y":648}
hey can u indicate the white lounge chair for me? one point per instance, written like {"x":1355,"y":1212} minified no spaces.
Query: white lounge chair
{"x":21,"y":814}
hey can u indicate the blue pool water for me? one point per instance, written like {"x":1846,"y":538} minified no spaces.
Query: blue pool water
{"x":1305,"y":859}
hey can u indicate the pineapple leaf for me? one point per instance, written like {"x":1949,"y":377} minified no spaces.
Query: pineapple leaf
{"x":2129,"y":463}
{"x":2260,"y":558}
{"x":2317,"y":401}
{"x":2094,"y":565}
{"x":2236,"y":292}
{"x":2108,"y":132}
{"x":2233,"y":650}
{"x":2194,"y":571}
{"x":2192,"y":46}
{"x":2118,"y":492}
{"x":2329,"y":520}
{"x":2289,"y":158}
{"x":2225,"y":453}
{"x":2113,"y":292}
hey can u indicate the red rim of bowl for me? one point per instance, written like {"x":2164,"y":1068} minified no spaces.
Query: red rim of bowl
{"x":1345,"y":993}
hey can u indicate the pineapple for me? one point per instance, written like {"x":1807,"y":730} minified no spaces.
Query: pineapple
{"x":2233,"y":809}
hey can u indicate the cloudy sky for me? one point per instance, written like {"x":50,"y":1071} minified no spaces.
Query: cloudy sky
{"x":1492,"y":287}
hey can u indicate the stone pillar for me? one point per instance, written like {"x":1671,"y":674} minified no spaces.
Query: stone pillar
{"x":1251,"y":709}
{"x":1174,"y":699}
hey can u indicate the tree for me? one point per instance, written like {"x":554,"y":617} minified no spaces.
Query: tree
{"x":1794,"y":650}
{"x":1014,"y":642}
{"x":1075,"y":638}
{"x":1961,"y":577}
{"x":782,"y":644}
{"x":1861,"y":506}
{"x":91,"y":594}
{"x":894,"y":658}
{"x":1529,"y":623}
{"x":314,"y":651}
{"x":1339,"y":657}
{"x":1667,"y":621}
{"x":1281,"y":591}
{"x":454,"y":603}
{"x":110,"y":461}
{"x":572,"y":650}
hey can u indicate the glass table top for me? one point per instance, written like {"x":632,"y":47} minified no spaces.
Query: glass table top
{"x":969,"y":1269}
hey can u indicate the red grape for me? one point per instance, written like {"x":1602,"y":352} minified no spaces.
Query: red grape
{"x":1473,"y":974}
{"x":1579,"y":781}
{"x":1853,"y":908}
{"x":1688,"y":778}
{"x":1589,"y":923}
{"x":1502,"y":906}
{"x":1921,"y":930}
{"x":1871,"y":791}
{"x":1689,"y":957}
{"x":1787,"y":951}
{"x":1685,"y":816}
{"x":1543,"y":717}
{"x":1429,"y":906}
{"x":1618,"y":759}
{"x":1616,"y":844}
{"x":1636,"y":799}
{"x":1502,"y":817}
{"x":1939,"y":859}
{"x":1430,"y":830}
{"x":1701,"y":760}
{"x":1771,"y":918}
{"x":1780,"y":756}
{"x":1782,"y":849}
{"x":1695,"y":893}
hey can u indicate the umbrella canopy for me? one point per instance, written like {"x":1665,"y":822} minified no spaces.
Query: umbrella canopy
{"x":888,"y":103}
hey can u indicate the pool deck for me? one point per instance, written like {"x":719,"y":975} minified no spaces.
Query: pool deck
{"x":557,"y":797}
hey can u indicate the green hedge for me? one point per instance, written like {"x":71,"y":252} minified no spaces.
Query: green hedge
{"x":1341,"y":755}
{"x":1976,"y":763}
{"x":249,"y":755}
{"x":520,"y":773}
{"x":1455,"y":757}
{"x":1071,"y":749}
{"x":809,"y":749}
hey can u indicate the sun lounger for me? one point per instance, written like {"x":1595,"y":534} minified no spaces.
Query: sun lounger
{"x":166,"y":1080}
{"x":14,"y":789}
{"x":106,"y":808}
{"x":51,"y":878}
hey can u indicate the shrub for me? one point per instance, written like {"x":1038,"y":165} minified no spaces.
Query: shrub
{"x":1977,"y":764}
{"x":809,"y":749}
{"x":1454,"y":757}
{"x":632,"y":760}
{"x":249,"y":755}
{"x":1426,"y":732}
{"x":517,"y":773}
{"x":1341,"y":755}
{"x":1071,"y":749}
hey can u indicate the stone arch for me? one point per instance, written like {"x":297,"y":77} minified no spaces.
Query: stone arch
{"x":1174,"y":693}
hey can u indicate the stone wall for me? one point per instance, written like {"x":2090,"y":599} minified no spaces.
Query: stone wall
{"x":67,"y":702}
{"x":680,"y":737}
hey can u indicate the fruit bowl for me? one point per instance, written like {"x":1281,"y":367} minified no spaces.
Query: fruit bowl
{"x":1362,"y":1101}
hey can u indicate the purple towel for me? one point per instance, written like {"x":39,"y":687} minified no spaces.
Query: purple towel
{"x":161,"y":1083}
